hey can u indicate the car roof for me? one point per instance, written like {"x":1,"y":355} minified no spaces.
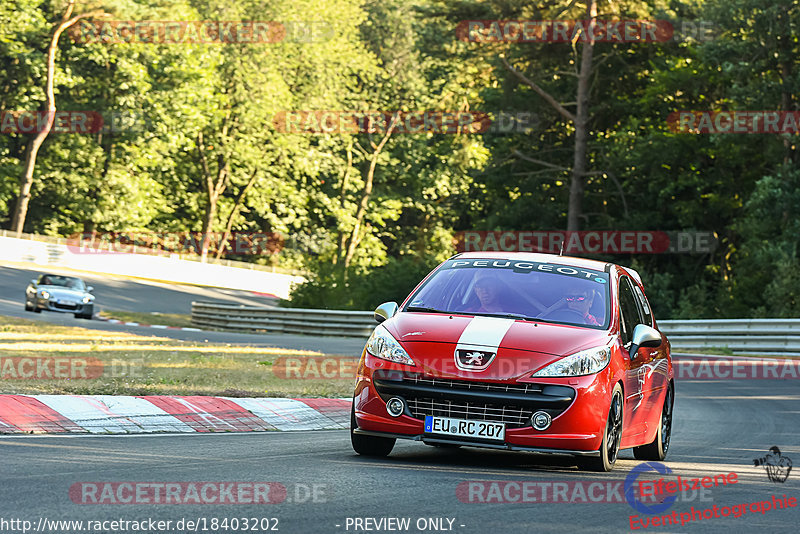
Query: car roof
{"x":541,"y":258}
{"x":60,"y":276}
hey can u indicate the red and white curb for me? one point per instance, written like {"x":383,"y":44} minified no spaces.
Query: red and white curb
{"x":160,"y":326}
{"x":111,"y":414}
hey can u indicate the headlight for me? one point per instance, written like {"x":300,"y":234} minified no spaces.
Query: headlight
{"x":87,"y":299}
{"x":382,"y":345}
{"x":44,"y":294}
{"x":585,"y":362}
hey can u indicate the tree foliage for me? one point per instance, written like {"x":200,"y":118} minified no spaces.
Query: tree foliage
{"x":192,"y":144}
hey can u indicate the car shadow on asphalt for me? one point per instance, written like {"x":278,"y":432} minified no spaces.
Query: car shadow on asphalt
{"x":422,"y":456}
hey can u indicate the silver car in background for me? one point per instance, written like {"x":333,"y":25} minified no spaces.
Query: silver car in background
{"x":66,"y":294}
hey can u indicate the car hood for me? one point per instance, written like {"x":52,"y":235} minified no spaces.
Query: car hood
{"x":64,"y":292}
{"x":492,"y":332}
{"x":442,"y":345}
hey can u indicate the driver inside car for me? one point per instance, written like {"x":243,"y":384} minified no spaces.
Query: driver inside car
{"x":579,"y":301}
{"x":488,"y":289}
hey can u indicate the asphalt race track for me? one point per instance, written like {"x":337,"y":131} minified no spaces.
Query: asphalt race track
{"x":119,"y":293}
{"x":720,"y":427}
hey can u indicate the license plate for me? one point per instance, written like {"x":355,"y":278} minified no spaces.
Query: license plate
{"x":68,"y":302}
{"x":463,"y":428}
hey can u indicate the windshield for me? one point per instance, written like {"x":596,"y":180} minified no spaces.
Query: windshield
{"x":63,"y":281}
{"x":546,"y":292}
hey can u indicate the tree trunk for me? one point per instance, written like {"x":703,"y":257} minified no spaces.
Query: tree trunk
{"x":214,"y":187}
{"x":365,"y":195}
{"x":785,"y":43}
{"x":576,"y":185}
{"x":342,"y":237}
{"x":580,"y":119}
{"x":26,"y":182}
{"x":234,"y":211}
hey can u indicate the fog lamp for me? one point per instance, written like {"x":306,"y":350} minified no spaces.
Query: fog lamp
{"x":396,"y":406}
{"x":541,"y":420}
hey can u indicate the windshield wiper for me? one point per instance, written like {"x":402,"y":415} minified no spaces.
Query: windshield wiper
{"x":506,"y":316}
{"x":425,"y":309}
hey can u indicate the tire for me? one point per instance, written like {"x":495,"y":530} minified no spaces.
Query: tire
{"x":37,"y":310}
{"x":369,"y":445}
{"x":609,"y":448}
{"x":28,"y":307}
{"x":657,"y":450}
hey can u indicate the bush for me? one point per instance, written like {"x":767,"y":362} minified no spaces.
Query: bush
{"x":326,"y":288}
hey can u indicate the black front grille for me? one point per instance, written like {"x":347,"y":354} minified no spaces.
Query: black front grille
{"x":509,"y":403}
{"x":475,"y":386}
{"x":65,"y":306}
{"x":512,"y":416}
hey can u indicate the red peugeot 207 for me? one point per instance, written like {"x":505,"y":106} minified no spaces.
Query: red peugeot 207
{"x":522,"y":352}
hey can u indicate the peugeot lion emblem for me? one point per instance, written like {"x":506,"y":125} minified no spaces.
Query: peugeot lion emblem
{"x":473,"y":360}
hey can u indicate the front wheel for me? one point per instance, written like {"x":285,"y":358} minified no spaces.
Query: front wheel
{"x":28,"y":306}
{"x":609,"y":448}
{"x":657,"y":450}
{"x":368,"y":445}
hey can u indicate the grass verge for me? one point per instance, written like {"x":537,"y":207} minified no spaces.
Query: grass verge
{"x":93,"y":362}
{"x":166,"y":319}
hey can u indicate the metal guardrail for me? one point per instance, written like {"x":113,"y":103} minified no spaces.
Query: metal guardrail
{"x":761,"y":336}
{"x":739,"y":335}
{"x":283,"y":320}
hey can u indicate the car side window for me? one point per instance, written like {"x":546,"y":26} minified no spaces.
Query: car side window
{"x":644,"y":306}
{"x":629,"y":310}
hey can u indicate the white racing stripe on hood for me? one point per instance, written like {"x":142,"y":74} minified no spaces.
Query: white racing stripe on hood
{"x":484,"y":332}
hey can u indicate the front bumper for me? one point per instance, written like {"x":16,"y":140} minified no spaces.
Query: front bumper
{"x":578,"y":407}
{"x":54,"y":305}
{"x":426,"y":438}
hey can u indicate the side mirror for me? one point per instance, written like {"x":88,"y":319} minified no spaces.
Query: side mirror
{"x":385,"y":311}
{"x":644,"y":336}
{"x":89,"y":289}
{"x":34,"y":281}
